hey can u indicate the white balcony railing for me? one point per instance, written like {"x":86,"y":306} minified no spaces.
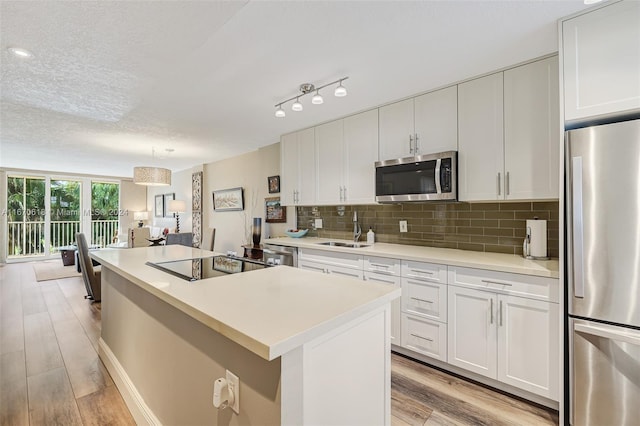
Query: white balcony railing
{"x":28,"y":238}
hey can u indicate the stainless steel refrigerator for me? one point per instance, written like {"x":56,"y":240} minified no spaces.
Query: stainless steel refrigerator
{"x":603,"y":268}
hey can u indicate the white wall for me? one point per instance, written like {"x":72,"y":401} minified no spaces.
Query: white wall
{"x":181,"y":187}
{"x":133,"y":198}
{"x":3,"y":217}
{"x":249,"y":171}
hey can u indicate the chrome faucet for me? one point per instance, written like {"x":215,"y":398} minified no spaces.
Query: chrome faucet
{"x":357,"y":231}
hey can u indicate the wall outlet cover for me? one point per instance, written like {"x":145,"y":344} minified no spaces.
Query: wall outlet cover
{"x":403,"y":226}
{"x":318,"y":223}
{"x":234,"y":385}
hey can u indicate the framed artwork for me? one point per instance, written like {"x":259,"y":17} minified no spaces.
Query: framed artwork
{"x":159,"y":206}
{"x":226,"y":200}
{"x":274,"y":184}
{"x":275,"y":213}
{"x":167,"y":197}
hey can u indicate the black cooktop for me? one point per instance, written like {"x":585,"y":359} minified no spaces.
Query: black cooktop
{"x":208,"y":267}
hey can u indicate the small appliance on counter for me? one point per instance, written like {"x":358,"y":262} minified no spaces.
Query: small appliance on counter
{"x":535,"y":241}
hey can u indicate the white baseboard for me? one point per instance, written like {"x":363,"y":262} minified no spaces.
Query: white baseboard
{"x":140,"y":411}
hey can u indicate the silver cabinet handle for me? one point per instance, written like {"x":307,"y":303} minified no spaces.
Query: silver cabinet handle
{"x":421,"y":300}
{"x":411,"y":144}
{"x":423,"y":338}
{"x":422,"y":272}
{"x":415,"y":144}
{"x":344,"y":188}
{"x":578,"y":236}
{"x":498,"y":184}
{"x":496,"y":282}
{"x":491,"y":309}
{"x":506,"y":184}
{"x":500,"y":312}
{"x":380,"y":265}
{"x":341,"y":197}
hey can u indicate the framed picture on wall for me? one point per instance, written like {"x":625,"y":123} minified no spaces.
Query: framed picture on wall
{"x":275,"y":213}
{"x":159,"y":206}
{"x":167,"y":197}
{"x":274,"y":184}
{"x":225,"y":200}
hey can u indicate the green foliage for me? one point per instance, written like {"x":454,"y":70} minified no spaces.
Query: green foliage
{"x":105,"y":199}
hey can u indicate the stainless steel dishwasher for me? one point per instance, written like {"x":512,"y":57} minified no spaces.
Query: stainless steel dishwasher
{"x":273,"y":254}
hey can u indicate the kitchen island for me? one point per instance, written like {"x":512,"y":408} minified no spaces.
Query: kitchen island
{"x":308,"y":349}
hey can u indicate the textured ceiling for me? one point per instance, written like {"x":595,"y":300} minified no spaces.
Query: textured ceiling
{"x":112,"y":80}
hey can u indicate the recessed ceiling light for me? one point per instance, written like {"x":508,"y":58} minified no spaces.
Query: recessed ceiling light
{"x":20,"y":52}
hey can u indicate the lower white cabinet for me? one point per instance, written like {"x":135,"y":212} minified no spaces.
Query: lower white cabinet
{"x":424,"y":336}
{"x":395,"y":305}
{"x":509,"y":338}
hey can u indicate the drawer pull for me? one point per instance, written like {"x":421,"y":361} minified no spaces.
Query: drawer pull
{"x":423,"y":338}
{"x":380,"y":265}
{"x":382,"y":272}
{"x":422,"y":272}
{"x":496,"y":282}
{"x":422,"y":300}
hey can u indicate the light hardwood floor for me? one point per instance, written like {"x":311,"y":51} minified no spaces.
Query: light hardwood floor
{"x":50,"y":372}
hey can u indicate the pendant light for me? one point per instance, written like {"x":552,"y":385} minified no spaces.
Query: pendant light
{"x":152,"y":176}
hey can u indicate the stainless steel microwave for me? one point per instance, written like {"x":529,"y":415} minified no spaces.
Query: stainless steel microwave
{"x":430,"y":177}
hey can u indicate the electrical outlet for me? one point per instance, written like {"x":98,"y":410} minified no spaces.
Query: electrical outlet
{"x":318,"y":223}
{"x":403,"y":226}
{"x":234,"y":386}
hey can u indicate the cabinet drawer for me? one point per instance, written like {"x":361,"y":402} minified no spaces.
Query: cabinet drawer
{"x":345,"y":260}
{"x":425,"y":299}
{"x":432,"y":272}
{"x":382,"y":278}
{"x":424,"y":336}
{"x":382,"y":265}
{"x":345,"y":272}
{"x":502,"y":282}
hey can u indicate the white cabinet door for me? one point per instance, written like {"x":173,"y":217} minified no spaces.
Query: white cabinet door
{"x":601,"y":55}
{"x":396,"y":130}
{"x":424,"y":336}
{"x":307,"y":168}
{"x":288,"y":168}
{"x":330,"y":161}
{"x":361,"y":153}
{"x":395,"y":305}
{"x":436,"y":121}
{"x":528,"y":345}
{"x":532,"y":131}
{"x":480,"y":139}
{"x":424,"y":298}
{"x":471,"y":340}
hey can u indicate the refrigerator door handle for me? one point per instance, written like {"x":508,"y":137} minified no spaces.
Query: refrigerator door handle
{"x":608,"y":333}
{"x":577,"y":234}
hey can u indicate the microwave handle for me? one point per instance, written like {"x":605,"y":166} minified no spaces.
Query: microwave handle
{"x":438,"y":187}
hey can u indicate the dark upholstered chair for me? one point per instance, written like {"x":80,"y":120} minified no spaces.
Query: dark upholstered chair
{"x":90,"y":276}
{"x":183,"y":238}
{"x":208,"y":239}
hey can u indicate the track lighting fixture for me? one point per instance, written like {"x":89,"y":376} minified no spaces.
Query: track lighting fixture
{"x":317,"y":99}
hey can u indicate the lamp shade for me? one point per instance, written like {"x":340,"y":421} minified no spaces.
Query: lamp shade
{"x":151,"y":176}
{"x":177,"y":206}
{"x":141,"y":215}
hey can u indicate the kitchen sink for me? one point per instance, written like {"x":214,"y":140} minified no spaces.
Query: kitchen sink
{"x":341,"y":244}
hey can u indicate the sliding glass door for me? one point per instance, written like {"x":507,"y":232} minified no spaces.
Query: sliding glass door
{"x":65,"y":212}
{"x":26,"y":216}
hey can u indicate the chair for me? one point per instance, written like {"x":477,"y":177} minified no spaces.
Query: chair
{"x":138,"y":237}
{"x":208,"y":239}
{"x":90,"y":276}
{"x":183,"y":238}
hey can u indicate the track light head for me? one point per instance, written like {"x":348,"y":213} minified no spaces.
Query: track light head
{"x":280,"y":112}
{"x":340,"y":91}
{"x":317,"y":98}
{"x":297,"y":106}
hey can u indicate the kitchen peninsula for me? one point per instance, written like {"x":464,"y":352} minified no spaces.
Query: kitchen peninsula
{"x":308,"y":349}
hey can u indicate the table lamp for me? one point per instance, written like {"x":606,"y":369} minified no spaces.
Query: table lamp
{"x":177,"y":207}
{"x":140,"y":217}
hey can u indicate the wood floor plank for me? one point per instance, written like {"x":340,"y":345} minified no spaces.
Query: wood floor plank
{"x":41,"y":346}
{"x":11,"y":334}
{"x":32,"y":301}
{"x":105,"y":407}
{"x":13,"y":389}
{"x":439,"y":419}
{"x":86,"y":372}
{"x":409,"y":410}
{"x":51,"y":400}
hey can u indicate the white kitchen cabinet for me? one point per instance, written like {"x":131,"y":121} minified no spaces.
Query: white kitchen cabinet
{"x":346,"y":151}
{"x":472,"y":336}
{"x":424,"y":290}
{"x":601,"y":61}
{"x":298,"y":168}
{"x":528,"y":336}
{"x":424,"y":336}
{"x":425,"y":124}
{"x":327,"y":262}
{"x":380,"y":277}
{"x":509,"y":134}
{"x":531,"y":131}
{"x":480,"y":139}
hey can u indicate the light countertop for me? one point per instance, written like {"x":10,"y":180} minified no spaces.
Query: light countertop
{"x":454,"y":257}
{"x":269,"y":311}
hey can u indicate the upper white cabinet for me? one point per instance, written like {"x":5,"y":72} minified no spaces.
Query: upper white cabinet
{"x":531,"y":131}
{"x":346,"y":151}
{"x":298,"y":168}
{"x":509,"y":134}
{"x":422,"y":125}
{"x":480,"y":139}
{"x":601,"y":60}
